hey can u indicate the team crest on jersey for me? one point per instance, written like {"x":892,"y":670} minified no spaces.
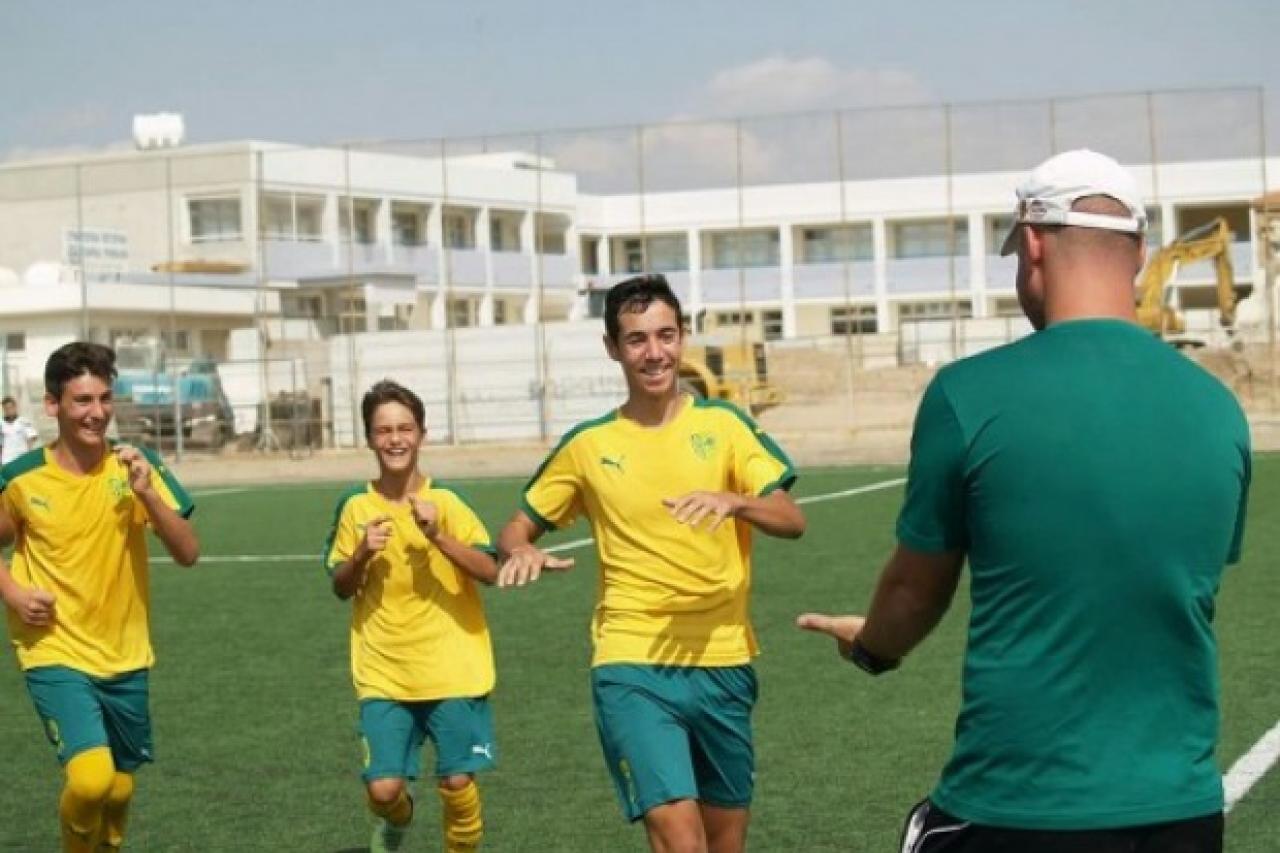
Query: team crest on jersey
{"x":119,"y":488}
{"x":704,"y":444}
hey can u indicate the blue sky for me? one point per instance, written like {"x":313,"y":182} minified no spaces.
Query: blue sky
{"x":72,"y":74}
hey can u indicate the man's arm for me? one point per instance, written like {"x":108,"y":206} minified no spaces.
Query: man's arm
{"x":176,"y":532}
{"x":476,"y":563}
{"x":8,"y":530}
{"x":914,"y":591}
{"x":349,"y":574}
{"x":775,"y":514}
{"x":524,"y":562}
{"x":34,"y":606}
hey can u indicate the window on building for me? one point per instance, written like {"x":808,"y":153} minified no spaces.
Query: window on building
{"x":552,"y":233}
{"x":499,"y":312}
{"x":735,"y":318}
{"x":179,"y":340}
{"x":504,"y":231}
{"x":837,"y":243}
{"x":214,"y":220}
{"x":15,"y":341}
{"x":461,"y":313}
{"x":356,"y":220}
{"x":1237,"y":216}
{"x":934,"y":310}
{"x":1007,"y":308}
{"x":408,"y":224}
{"x":126,"y":335}
{"x":935,"y":238}
{"x":309,"y":217}
{"x":302,"y":307}
{"x":853,"y":320}
{"x":277,"y":217}
{"x":459,"y":228}
{"x":771,"y":325}
{"x":654,"y":253}
{"x":590,"y":260}
{"x":734,"y":249}
{"x":286,"y":216}
{"x":996,"y":227}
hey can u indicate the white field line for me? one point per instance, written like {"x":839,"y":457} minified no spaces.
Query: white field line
{"x":208,"y":492}
{"x":563,"y":546}
{"x":1251,"y":767}
{"x":860,"y":490}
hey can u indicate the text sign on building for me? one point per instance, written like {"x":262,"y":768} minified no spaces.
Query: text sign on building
{"x":103,"y":249}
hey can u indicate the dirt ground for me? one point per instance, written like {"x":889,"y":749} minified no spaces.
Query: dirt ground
{"x":829,"y":418}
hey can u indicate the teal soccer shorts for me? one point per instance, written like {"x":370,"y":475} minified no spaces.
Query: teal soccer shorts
{"x":394,"y":732}
{"x":80,"y":712}
{"x":674,"y":732}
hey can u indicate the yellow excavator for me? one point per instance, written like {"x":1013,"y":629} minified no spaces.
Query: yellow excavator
{"x":717,"y":369}
{"x":1211,"y":241}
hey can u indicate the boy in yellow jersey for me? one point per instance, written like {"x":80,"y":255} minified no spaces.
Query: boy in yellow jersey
{"x":408,"y":552}
{"x":77,"y":592}
{"x":672,"y":487}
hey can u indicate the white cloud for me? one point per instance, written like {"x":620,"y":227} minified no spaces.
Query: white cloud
{"x":782,"y":84}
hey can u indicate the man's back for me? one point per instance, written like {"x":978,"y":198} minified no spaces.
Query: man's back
{"x":1099,"y":477}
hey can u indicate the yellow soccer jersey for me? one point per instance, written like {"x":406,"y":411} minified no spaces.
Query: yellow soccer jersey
{"x":668,"y":593}
{"x":83,"y":539}
{"x":418,"y":630}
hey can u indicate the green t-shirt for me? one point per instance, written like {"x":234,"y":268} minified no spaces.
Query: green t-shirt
{"x":1097,"y":481}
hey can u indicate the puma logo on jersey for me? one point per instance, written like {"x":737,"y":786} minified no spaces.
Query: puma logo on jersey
{"x":42,"y":503}
{"x":485,"y":749}
{"x":613,"y":462}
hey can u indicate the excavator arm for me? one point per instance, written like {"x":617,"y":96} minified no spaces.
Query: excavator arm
{"x":1209,"y":241}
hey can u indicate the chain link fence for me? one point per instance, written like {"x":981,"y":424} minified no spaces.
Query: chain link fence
{"x":828,"y":261}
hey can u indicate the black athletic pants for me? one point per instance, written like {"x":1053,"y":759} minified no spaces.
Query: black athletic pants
{"x":931,"y":830}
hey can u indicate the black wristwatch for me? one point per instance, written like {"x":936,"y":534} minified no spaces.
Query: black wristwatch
{"x":868,"y":661}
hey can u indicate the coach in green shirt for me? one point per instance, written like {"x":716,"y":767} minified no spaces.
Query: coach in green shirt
{"x":1096,"y":481}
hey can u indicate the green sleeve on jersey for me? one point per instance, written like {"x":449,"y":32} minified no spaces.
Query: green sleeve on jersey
{"x":536,"y":517}
{"x":327,"y":555}
{"x":933,"y":515}
{"x":465,"y":524}
{"x":29,"y":461}
{"x":186,"y":505}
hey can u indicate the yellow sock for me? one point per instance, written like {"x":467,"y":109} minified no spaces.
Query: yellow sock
{"x":398,"y":812}
{"x":116,"y":813}
{"x":90,"y":776}
{"x":463,"y":824}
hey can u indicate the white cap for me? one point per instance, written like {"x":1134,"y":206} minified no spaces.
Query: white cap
{"x":1045,"y":198}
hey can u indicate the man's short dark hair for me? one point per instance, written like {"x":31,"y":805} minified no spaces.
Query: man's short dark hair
{"x":637,"y":294}
{"x":7,"y":400}
{"x":387,"y":391}
{"x":76,"y":359}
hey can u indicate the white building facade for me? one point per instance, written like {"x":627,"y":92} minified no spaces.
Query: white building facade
{"x":188,"y":244}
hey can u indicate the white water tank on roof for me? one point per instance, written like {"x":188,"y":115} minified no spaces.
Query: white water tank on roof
{"x":158,"y":130}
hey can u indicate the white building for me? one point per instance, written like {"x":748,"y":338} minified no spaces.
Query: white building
{"x":187,"y":244}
